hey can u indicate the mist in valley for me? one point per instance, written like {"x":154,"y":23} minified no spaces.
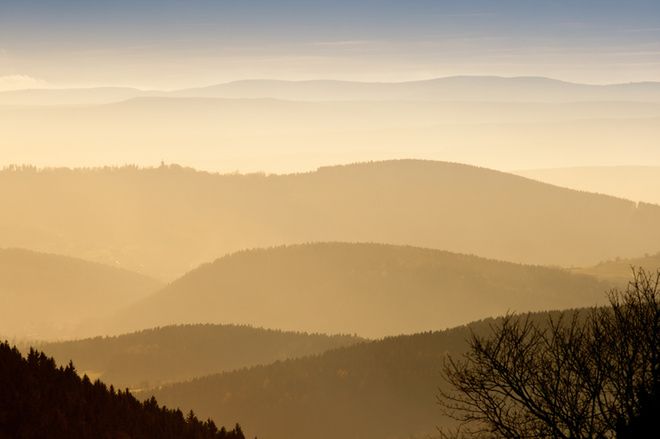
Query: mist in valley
{"x":316,"y":219}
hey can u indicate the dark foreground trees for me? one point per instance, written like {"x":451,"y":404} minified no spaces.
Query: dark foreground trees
{"x":40,"y":400}
{"x":589,"y":374}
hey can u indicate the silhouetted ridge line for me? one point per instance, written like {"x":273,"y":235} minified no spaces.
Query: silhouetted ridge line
{"x":157,"y":356}
{"x":384,"y":388}
{"x":40,"y":400}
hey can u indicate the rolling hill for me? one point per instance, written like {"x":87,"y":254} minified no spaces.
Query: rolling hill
{"x":381,"y":389}
{"x":618,"y":270}
{"x":372,"y":290}
{"x":283,"y":136}
{"x":166,"y":221}
{"x":445,"y":89}
{"x":176,"y":353}
{"x":51,"y":296}
{"x":288,"y":136}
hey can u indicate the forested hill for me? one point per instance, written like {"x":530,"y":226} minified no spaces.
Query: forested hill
{"x":381,"y":389}
{"x":166,"y":221}
{"x":51,"y":296}
{"x":176,"y":353}
{"x":372,"y":290}
{"x":39,"y":400}
{"x":618,"y":270}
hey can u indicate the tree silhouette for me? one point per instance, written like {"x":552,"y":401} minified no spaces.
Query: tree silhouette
{"x":40,"y":400}
{"x":588,"y":374}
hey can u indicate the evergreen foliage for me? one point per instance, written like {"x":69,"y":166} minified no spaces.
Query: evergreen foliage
{"x":39,"y":400}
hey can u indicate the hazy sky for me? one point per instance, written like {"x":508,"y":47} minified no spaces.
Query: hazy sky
{"x":179,"y":43}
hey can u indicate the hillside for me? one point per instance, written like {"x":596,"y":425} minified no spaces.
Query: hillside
{"x":372,"y":290}
{"x":382,"y":389}
{"x":176,"y":353}
{"x":638,"y":183}
{"x":618,"y":270}
{"x":166,"y":221}
{"x":39,"y":400}
{"x":51,"y":296}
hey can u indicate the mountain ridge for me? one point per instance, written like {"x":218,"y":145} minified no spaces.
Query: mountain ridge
{"x":373,"y":290}
{"x":388,"y":90}
{"x":448,"y":206}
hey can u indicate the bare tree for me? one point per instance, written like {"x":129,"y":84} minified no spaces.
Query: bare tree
{"x":576,"y":375}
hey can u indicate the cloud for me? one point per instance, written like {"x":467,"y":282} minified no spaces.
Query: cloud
{"x":18,"y":82}
{"x":345,"y":43}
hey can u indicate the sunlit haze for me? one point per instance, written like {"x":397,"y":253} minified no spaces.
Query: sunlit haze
{"x":316,"y":219}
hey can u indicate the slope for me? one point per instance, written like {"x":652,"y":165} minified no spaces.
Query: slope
{"x":372,"y":290}
{"x":40,"y":400}
{"x":385,"y":388}
{"x":168,"y":220}
{"x":176,"y":353}
{"x":618,"y":270}
{"x":51,"y":296}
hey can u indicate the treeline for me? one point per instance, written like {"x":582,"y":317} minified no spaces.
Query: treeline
{"x":372,"y":290}
{"x":185,"y":216}
{"x":38,"y":399}
{"x":175,"y":353}
{"x":381,"y":389}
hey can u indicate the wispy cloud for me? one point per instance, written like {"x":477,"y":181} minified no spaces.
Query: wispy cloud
{"x":18,"y":82}
{"x":644,"y":29}
{"x":346,"y":43}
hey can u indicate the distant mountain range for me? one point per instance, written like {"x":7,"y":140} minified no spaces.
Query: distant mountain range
{"x":177,"y":353}
{"x":48,"y":296}
{"x":456,"y":88}
{"x":166,"y":221}
{"x":369,"y":289}
{"x":239,"y":126}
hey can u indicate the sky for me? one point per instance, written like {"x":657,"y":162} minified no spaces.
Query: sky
{"x":169,"y":44}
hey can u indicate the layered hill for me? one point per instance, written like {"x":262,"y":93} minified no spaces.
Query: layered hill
{"x":386,"y":388}
{"x":168,"y":220}
{"x":284,"y":136}
{"x":372,"y":290}
{"x":618,"y":270}
{"x":455,"y":88}
{"x":50,"y":296}
{"x":176,"y":353}
{"x":445,"y":89}
{"x":40,"y":400}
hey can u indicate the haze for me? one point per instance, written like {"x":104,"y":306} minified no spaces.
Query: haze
{"x":285,"y":216}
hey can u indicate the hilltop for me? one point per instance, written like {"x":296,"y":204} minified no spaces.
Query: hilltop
{"x":166,"y":221}
{"x":372,"y":290}
{"x":176,"y":353}
{"x":385,"y":388}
